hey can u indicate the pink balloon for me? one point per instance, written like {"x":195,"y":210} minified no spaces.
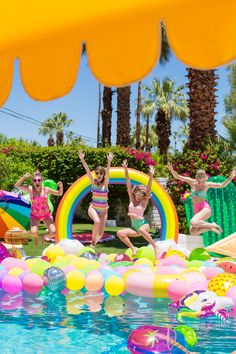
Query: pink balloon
{"x":11,"y":302}
{"x":94,"y":281}
{"x":68,"y":268}
{"x":12,"y":284}
{"x":200,"y":285}
{"x":11,"y":262}
{"x":232,"y":294}
{"x":210,"y":272}
{"x":32,"y":283}
{"x":166,"y":270}
{"x":194,"y":277}
{"x":177,"y":289}
{"x":174,"y":260}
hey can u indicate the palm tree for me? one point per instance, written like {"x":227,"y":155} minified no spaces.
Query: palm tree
{"x":138,"y":114}
{"x":106,"y":115}
{"x":123,"y":116}
{"x":169,"y":102}
{"x":48,"y":128}
{"x":230,"y":125}
{"x":164,"y":58}
{"x":99,"y":114}
{"x":60,"y":121}
{"x":147,"y":110}
{"x":202,"y":104}
{"x":152,"y":141}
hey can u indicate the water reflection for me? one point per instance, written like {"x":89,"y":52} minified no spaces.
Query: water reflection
{"x":95,"y":323}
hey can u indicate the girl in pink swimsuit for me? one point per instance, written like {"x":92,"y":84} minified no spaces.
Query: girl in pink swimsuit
{"x":97,"y":210}
{"x":138,"y":201}
{"x":202,"y":210}
{"x":40,"y":210}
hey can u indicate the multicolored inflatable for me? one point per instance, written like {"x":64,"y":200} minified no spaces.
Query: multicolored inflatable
{"x":82,"y":187}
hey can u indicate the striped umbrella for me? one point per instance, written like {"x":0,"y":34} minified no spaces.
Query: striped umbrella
{"x":14,"y":212}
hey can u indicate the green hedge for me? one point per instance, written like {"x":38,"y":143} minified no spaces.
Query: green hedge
{"x":63,"y":163}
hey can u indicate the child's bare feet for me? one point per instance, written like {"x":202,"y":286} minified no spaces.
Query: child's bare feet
{"x":157,"y":252}
{"x":134,"y":251}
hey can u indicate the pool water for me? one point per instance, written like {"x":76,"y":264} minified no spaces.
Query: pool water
{"x":88,"y":323}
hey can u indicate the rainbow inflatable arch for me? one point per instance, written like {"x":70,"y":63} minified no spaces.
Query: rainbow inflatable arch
{"x":82,"y":187}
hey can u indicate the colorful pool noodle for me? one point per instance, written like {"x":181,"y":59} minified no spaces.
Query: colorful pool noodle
{"x":82,"y":187}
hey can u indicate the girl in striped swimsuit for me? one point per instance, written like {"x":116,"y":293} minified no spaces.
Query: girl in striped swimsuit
{"x":99,"y":206}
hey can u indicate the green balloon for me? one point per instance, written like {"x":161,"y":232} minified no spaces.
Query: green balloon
{"x":39,"y":267}
{"x":199,"y":254}
{"x":86,"y":249}
{"x":146,"y":252}
{"x":189,"y":334}
{"x":49,"y":183}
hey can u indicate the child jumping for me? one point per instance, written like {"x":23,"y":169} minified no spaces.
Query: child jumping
{"x":40,"y":210}
{"x":97,"y":210}
{"x":138,"y":201}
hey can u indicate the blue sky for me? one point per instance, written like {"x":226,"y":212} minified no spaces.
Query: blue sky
{"x":81,"y":104}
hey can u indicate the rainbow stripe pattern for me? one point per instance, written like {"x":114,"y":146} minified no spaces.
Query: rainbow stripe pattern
{"x":82,"y":187}
{"x":100,"y":197}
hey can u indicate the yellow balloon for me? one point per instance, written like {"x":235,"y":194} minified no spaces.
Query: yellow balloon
{"x":69,"y":258}
{"x":114,"y":306}
{"x":16,"y":271}
{"x":75,"y":280}
{"x":112,"y":257}
{"x":80,"y":262}
{"x":75,"y":303}
{"x":53,"y":252}
{"x":144,"y":261}
{"x":30,"y":262}
{"x":114,"y":285}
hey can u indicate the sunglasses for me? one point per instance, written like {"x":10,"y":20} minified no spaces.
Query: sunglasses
{"x":99,"y":173}
{"x":37,"y":180}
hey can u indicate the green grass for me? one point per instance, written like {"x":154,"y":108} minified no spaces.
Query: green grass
{"x":114,"y":246}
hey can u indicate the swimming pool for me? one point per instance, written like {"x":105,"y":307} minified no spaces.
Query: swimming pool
{"x":91,"y":324}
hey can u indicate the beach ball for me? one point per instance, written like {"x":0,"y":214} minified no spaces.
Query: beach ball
{"x":54,"y":279}
{"x":221,"y":283}
{"x":199,"y":254}
{"x":12,"y":284}
{"x":75,"y":280}
{"x":114,"y":285}
{"x":32,"y":283}
{"x":94,"y":281}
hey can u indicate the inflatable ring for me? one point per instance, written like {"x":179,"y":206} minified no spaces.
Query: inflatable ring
{"x":149,"y":284}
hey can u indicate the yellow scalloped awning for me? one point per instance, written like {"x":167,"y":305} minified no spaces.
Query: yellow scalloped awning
{"x":122,"y":39}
